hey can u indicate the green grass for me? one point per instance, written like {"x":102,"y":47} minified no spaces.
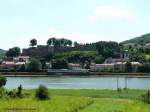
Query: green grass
{"x":147,"y":56}
{"x":124,"y":94}
{"x":55,"y":104}
{"x":115,"y":105}
{"x":79,"y":101}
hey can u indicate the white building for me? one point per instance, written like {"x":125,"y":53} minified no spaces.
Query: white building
{"x":74,"y":66}
{"x":24,"y":59}
{"x":11,"y":62}
{"x":101,"y":67}
{"x":119,"y":66}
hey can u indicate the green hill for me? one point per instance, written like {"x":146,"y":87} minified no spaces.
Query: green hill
{"x":142,"y":40}
{"x":2,"y":53}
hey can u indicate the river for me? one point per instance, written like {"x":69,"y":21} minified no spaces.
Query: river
{"x":66,"y":82}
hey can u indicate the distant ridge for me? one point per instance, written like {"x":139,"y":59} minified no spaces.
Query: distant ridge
{"x":2,"y":53}
{"x":142,"y":40}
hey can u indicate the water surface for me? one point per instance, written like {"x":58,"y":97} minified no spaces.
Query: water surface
{"x":78,"y":82}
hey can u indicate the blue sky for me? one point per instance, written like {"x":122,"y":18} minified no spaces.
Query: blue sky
{"x":78,"y":20}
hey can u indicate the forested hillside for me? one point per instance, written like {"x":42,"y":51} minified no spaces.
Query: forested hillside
{"x":2,"y":53}
{"x":142,"y":40}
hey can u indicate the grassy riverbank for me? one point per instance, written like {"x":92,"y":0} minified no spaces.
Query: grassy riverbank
{"x":93,"y":93}
{"x":79,"y":101}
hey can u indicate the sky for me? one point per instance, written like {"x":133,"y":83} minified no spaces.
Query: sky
{"x":79,"y":20}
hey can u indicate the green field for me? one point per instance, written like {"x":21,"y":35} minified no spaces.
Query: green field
{"x":116,"y":105}
{"x":78,"y":101}
{"x":147,"y":56}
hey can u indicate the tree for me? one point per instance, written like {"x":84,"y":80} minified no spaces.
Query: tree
{"x":87,"y":65}
{"x":49,"y":56}
{"x":43,"y":63}
{"x":60,"y":64}
{"x":42,"y":93}
{"x":19,"y":92}
{"x":136,"y":56}
{"x":75,"y":44}
{"x":3,"y":81}
{"x":33,"y":42}
{"x":99,"y":59}
{"x":63,"y":42}
{"x":56,"y":42}
{"x":51,"y":41}
{"x":107,"y":49}
{"x":85,"y":61}
{"x":145,"y":68}
{"x":34,"y":65}
{"x":13,"y":52}
{"x":69,"y":42}
{"x":146,"y":97}
{"x":128,"y":67}
{"x":22,"y":68}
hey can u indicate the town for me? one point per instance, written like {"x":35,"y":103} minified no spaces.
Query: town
{"x":62,"y":55}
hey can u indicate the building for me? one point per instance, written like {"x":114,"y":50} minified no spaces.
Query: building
{"x":120,"y":66}
{"x":15,"y":61}
{"x":22,"y":59}
{"x":115,"y":60}
{"x":8,"y":64}
{"x":102,"y":67}
{"x":124,"y":57}
{"x":74,"y":66}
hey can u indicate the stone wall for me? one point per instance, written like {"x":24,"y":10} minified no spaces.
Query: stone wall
{"x":41,"y":51}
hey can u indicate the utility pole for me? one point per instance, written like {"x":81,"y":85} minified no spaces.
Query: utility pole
{"x":117,"y":83}
{"x":126,"y":84}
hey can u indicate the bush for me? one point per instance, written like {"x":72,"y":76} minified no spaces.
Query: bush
{"x":3,"y":81}
{"x":145,"y":68}
{"x":119,"y":89}
{"x":128,"y":67}
{"x":12,"y":94}
{"x":107,"y":70}
{"x":34,"y":65}
{"x":146,"y":97}
{"x":99,"y":59}
{"x":22,"y":68}
{"x":2,"y":92}
{"x":60,"y":64}
{"x":16,"y":93}
{"x":42,"y":93}
{"x":19,"y":92}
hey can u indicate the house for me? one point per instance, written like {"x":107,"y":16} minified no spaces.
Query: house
{"x":120,"y":66}
{"x":24,"y":59}
{"x":115,"y":60}
{"x":74,"y":66}
{"x":115,"y":64}
{"x":10,"y":62}
{"x":102,"y":67}
{"x":147,"y":45}
{"x":124,"y":57}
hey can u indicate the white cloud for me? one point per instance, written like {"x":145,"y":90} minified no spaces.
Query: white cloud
{"x":112,"y":12}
